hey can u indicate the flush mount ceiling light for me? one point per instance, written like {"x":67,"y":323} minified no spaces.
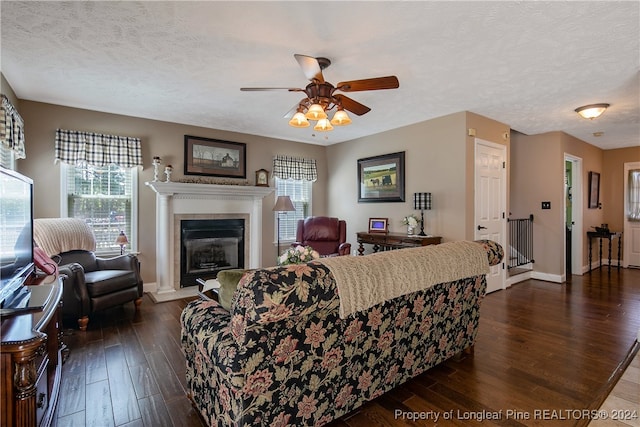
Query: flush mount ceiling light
{"x":591,"y":111}
{"x":321,"y":97}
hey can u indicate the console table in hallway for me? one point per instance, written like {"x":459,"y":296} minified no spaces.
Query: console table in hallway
{"x":608,"y":236}
{"x":388,"y":241}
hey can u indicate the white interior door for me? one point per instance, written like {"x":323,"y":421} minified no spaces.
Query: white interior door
{"x":490,"y":202}
{"x":631,"y":236}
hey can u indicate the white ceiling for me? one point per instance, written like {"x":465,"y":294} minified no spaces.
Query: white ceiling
{"x":525,"y":64}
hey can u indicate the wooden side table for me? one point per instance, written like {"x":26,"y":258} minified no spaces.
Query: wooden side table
{"x":32,"y":356}
{"x":608,"y":236}
{"x":389,"y":241}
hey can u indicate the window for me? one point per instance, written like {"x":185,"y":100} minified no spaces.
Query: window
{"x":7,"y":157}
{"x":106,"y":197}
{"x":299,"y":191}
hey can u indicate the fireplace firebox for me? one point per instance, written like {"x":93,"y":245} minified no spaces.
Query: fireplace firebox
{"x":208,"y":246}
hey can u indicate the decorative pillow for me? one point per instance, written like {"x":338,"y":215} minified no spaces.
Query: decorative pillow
{"x":495,"y":253}
{"x":228,"y":280}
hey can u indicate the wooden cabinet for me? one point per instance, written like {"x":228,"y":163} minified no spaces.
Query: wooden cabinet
{"x":32,"y":360}
{"x":388,"y":241}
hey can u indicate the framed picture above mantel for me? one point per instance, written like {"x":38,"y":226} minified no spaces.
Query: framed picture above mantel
{"x":213,"y":157}
{"x":381,"y":178}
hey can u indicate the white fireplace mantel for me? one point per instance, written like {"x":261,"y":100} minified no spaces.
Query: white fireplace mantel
{"x":212,"y":190}
{"x":178,"y":198}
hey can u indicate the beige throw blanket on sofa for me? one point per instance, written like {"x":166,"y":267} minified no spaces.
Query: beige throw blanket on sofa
{"x":57,"y":235}
{"x":364,"y":281}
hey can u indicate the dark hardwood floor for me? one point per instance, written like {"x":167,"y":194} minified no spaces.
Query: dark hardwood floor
{"x":545,"y":351}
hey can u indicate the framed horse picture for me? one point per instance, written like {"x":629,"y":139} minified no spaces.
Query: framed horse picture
{"x":381,"y":178}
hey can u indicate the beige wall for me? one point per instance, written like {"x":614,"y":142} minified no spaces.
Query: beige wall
{"x":158,"y":139}
{"x":434,"y":151}
{"x":537,"y":163}
{"x":537,"y":171}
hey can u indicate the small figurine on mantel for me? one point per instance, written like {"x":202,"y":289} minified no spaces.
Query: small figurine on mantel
{"x":156,"y":163}
{"x":167,"y":171}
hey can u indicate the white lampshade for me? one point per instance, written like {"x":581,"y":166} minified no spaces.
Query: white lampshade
{"x":299,"y":121}
{"x":316,"y":112}
{"x":340,"y":118}
{"x":323,"y":125}
{"x":591,"y":111}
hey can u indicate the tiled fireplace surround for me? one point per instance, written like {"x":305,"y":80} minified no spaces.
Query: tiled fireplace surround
{"x":177,"y":201}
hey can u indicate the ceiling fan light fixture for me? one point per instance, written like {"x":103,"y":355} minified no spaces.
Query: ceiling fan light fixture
{"x":315,"y":112}
{"x":341,"y":118}
{"x":299,"y":120}
{"x":591,"y":111}
{"x":323,"y":125}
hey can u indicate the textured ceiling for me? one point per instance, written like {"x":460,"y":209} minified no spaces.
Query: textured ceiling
{"x":526,"y":64}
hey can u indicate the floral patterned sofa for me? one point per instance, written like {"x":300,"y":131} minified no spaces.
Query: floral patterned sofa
{"x":283,"y":355}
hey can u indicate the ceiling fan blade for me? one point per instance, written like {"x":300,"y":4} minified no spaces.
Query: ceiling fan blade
{"x":259,"y":89}
{"x":354,"y":106}
{"x":377,"y":83}
{"x":310,"y":67}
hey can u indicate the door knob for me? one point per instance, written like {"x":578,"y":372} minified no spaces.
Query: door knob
{"x":481,"y":227}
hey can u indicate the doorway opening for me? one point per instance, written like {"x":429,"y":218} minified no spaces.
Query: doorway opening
{"x":573,"y":216}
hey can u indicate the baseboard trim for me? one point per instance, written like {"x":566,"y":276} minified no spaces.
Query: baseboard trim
{"x":520,"y":277}
{"x":547,"y":277}
{"x":149,"y":287}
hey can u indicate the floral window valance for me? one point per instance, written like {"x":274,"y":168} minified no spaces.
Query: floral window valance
{"x":12,"y":129}
{"x":295,"y":168}
{"x":96,"y":149}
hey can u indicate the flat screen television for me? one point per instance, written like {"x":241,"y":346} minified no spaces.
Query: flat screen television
{"x":16,"y":238}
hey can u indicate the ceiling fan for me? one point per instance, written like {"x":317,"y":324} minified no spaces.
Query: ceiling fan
{"x":321,"y":96}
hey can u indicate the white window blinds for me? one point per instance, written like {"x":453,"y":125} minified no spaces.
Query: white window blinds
{"x":299,"y":191}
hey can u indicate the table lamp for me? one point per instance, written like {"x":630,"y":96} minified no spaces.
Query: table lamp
{"x":122,"y":241}
{"x":422,"y":201}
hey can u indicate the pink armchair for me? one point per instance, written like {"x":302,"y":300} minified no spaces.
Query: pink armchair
{"x":324,"y":234}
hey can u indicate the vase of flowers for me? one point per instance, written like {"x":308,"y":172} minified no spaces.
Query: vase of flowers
{"x":411,"y":221}
{"x":298,"y":255}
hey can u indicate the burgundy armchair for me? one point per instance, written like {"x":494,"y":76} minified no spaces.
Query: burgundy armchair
{"x":324,"y":234}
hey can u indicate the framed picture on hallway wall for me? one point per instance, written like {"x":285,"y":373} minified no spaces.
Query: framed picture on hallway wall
{"x":594,"y":190}
{"x":212,"y":157}
{"x":381,"y":178}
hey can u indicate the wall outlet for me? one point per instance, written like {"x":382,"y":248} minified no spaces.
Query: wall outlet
{"x":546,"y":205}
